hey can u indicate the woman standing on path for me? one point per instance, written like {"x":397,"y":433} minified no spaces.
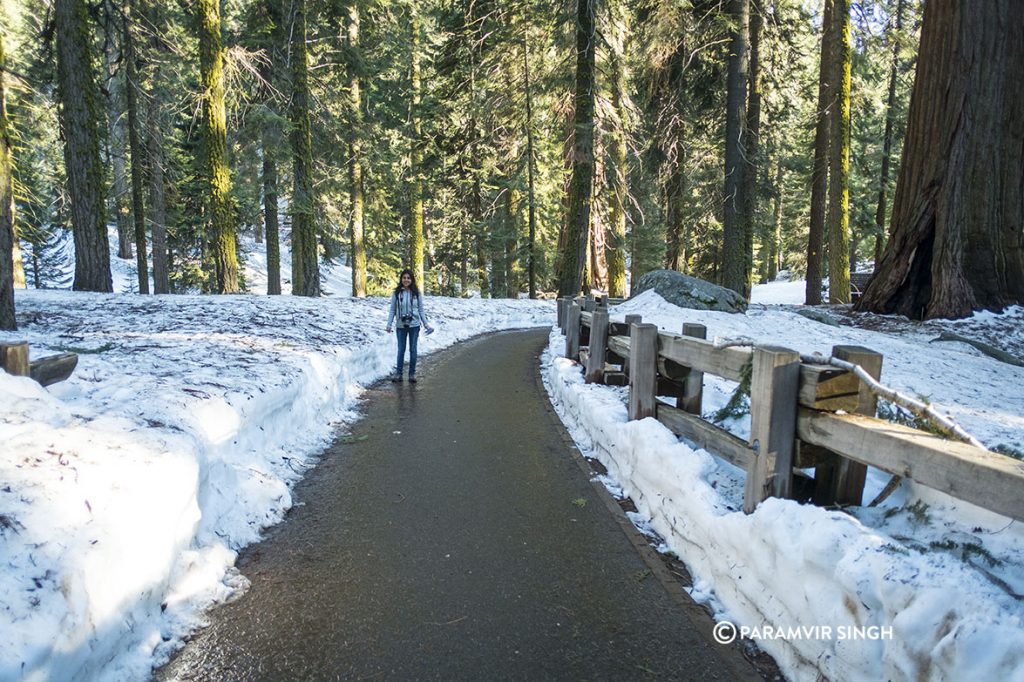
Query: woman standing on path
{"x":407,"y":306}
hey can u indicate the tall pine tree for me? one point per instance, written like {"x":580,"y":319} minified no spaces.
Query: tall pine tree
{"x":80,"y":120}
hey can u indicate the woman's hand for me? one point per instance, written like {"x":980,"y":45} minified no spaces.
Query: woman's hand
{"x":388,"y":330}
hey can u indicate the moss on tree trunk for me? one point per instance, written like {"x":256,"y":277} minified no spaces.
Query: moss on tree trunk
{"x":214,"y":164}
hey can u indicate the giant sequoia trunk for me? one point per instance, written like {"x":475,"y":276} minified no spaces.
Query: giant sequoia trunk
{"x":214,"y":162}
{"x":958,"y":213}
{"x":734,"y":259}
{"x":7,"y":320}
{"x":80,"y":121}
{"x":305,"y":264}
{"x":570,"y":278}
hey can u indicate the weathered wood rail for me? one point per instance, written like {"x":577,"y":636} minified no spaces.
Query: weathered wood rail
{"x":49,"y":370}
{"x":802,"y":415}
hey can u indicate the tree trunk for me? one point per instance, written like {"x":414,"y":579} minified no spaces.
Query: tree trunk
{"x":116,"y":144}
{"x":511,"y":241}
{"x":819,"y":176}
{"x":464,"y":256}
{"x":135,"y":147}
{"x":774,"y":264}
{"x":7,"y":319}
{"x":155,"y":157}
{"x":499,"y":225}
{"x":416,"y":155}
{"x":355,"y":156}
{"x":582,"y":181}
{"x":481,"y":241}
{"x":476,"y":192}
{"x":598,"y":225}
{"x":837,"y":224}
{"x":270,"y":213}
{"x":734,"y":233}
{"x":532,"y":253}
{"x":890,"y":121}
{"x":752,"y":170}
{"x":305,"y":264}
{"x":80,"y":122}
{"x":271,"y":142}
{"x":616,"y":247}
{"x":677,"y":254}
{"x":958,"y":213}
{"x":214,"y":163}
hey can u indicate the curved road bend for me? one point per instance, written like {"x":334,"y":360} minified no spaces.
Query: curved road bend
{"x":459,"y":540}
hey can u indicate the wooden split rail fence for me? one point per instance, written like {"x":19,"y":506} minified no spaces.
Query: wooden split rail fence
{"x":49,"y":370}
{"x":802,"y":415}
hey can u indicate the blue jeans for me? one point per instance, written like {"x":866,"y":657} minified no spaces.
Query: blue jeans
{"x":412,"y":334}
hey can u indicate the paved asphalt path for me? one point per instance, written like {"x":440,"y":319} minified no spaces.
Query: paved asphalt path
{"x":454,"y":536}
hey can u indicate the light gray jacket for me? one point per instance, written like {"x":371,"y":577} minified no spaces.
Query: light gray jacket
{"x":404,"y":303}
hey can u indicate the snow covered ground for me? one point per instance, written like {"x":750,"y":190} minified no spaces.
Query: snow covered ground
{"x":945,"y":577}
{"x":126,"y":491}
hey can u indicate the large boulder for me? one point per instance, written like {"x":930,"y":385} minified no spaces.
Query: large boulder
{"x":690,"y":292}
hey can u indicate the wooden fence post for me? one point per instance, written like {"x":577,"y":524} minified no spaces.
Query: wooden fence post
{"x":693,"y":399}
{"x":598,"y":346}
{"x":839,"y":480}
{"x":643,"y":370}
{"x":572,"y":332}
{"x":590,"y":305}
{"x":14,"y":358}
{"x":774,"y":387}
{"x":631,"y":320}
{"x":560,"y":303}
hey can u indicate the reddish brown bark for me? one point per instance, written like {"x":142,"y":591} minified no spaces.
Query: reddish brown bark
{"x":958,"y":213}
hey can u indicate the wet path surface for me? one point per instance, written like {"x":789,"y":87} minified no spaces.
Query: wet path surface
{"x":458,"y":540}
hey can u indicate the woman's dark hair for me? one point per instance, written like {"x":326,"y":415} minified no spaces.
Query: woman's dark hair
{"x":412,"y":286}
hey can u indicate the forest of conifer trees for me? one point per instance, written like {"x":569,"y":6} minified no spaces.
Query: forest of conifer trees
{"x":507,"y":148}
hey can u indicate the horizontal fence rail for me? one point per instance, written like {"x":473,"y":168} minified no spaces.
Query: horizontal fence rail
{"x":49,"y":370}
{"x":802,"y":415}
